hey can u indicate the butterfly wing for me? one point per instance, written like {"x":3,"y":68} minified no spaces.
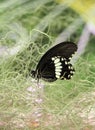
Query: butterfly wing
{"x":48,"y":71}
{"x":54,"y":63}
{"x":57,"y":68}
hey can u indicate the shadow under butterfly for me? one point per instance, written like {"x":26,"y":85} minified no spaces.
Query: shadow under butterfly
{"x":55,"y":63}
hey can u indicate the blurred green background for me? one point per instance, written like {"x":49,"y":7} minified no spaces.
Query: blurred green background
{"x":28,"y":28}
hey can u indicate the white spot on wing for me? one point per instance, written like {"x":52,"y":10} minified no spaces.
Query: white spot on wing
{"x":58,"y":69}
{"x":62,"y":59}
{"x":66,"y":62}
{"x":58,"y":64}
{"x":57,"y":73}
{"x":58,"y":76}
{"x":56,"y":60}
{"x":69,"y":76}
{"x":70,"y":58}
{"x":53,"y":58}
{"x":69,"y":67}
{"x":72,"y":72}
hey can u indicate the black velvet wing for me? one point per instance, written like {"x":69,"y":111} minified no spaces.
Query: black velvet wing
{"x":55,"y":64}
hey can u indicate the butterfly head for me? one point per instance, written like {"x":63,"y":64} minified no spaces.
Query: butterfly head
{"x":33,"y":73}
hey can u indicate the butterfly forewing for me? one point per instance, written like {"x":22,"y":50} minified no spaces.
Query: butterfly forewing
{"x":48,"y":71}
{"x":55,"y":63}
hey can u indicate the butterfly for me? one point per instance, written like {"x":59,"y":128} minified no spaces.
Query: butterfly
{"x":55,"y":63}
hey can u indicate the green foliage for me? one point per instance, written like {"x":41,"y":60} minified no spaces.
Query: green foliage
{"x":34,"y":25}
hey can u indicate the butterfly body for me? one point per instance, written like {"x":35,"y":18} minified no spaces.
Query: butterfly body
{"x":55,"y":63}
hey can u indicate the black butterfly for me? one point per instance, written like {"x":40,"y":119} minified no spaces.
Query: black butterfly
{"x":55,"y":63}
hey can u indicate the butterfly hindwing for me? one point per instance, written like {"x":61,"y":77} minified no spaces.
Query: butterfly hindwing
{"x":67,"y":70}
{"x":63,"y":68}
